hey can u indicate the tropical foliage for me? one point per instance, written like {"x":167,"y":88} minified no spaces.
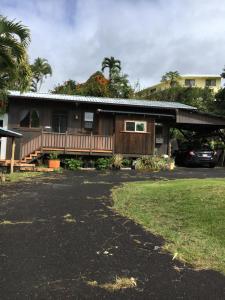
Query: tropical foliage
{"x":120,"y":86}
{"x":67,"y":88}
{"x":40,"y":69}
{"x":97,"y":85}
{"x":112,"y":64}
{"x":203,"y":99}
{"x":171,"y":77}
{"x":14,"y":65}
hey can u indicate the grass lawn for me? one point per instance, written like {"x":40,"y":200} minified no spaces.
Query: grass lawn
{"x":18,"y":176}
{"x":188,"y":213}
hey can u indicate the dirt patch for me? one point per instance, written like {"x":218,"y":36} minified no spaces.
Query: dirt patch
{"x":119,"y":284}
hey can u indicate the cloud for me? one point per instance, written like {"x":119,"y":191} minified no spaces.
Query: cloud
{"x":150,"y":37}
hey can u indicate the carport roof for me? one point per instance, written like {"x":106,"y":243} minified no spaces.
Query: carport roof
{"x":196,"y":120}
{"x":9,"y":133}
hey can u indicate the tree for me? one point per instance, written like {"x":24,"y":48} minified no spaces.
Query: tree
{"x":171,"y":77}
{"x":120,"y":86}
{"x":203,"y":99}
{"x":68,"y":87}
{"x":223,"y":73}
{"x":40,"y":69}
{"x":14,"y":65}
{"x":112,"y":64}
{"x":96,"y":85}
{"x":220,"y":102}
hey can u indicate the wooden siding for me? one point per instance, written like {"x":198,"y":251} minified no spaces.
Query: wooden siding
{"x":133,"y":142}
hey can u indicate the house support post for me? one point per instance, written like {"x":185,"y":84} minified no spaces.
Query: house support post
{"x":42,"y":135}
{"x":13,"y":155}
{"x":65,"y":146}
{"x":91,"y":143}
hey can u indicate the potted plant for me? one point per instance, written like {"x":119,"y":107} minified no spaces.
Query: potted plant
{"x":54,"y":161}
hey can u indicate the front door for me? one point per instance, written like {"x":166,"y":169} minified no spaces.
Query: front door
{"x":59,"y":122}
{"x":106,"y":124}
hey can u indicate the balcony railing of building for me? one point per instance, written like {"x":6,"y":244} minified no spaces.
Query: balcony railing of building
{"x":67,"y":143}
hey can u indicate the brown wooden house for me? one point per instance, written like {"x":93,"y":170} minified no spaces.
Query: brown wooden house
{"x":97,"y":126}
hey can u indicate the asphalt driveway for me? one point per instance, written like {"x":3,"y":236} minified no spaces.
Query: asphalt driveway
{"x":60,"y":239}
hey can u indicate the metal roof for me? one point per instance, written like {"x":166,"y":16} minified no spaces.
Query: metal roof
{"x":101,"y":100}
{"x":9,"y":133}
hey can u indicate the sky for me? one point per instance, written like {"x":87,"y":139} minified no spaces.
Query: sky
{"x":150,"y":37}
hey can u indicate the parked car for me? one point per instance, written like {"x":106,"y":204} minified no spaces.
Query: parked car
{"x":192,"y":155}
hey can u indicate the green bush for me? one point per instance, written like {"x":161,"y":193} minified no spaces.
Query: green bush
{"x":103,"y":163}
{"x":127,"y":162}
{"x":117,"y":161}
{"x":54,"y":155}
{"x":153,"y":163}
{"x":73,"y":164}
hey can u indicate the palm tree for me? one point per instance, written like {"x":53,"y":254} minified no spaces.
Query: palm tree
{"x":172,"y":77}
{"x":41,"y":69}
{"x":112,"y":64}
{"x":14,"y":39}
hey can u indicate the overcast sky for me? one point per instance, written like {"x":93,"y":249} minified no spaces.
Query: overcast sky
{"x":150,"y":37}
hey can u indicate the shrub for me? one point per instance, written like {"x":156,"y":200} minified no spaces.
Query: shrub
{"x":54,"y":156}
{"x":153,"y":163}
{"x":103,"y":163}
{"x":73,"y":164}
{"x":126,"y":162}
{"x":117,"y":161}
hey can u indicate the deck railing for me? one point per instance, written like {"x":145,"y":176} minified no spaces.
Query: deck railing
{"x":68,"y":142}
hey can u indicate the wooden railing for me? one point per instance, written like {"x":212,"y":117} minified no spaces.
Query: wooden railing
{"x":30,"y":146}
{"x":68,"y":142}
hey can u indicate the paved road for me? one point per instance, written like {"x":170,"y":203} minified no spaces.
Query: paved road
{"x":61,"y":240}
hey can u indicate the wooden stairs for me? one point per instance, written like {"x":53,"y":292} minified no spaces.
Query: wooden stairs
{"x":24,"y":164}
{"x":30,"y":157}
{"x":18,"y":164}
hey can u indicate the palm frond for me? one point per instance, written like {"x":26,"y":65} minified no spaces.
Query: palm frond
{"x":15,"y":28}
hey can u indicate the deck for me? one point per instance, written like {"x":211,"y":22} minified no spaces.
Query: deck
{"x":68,"y":143}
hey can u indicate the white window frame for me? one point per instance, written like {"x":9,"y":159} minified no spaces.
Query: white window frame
{"x":135,"y":122}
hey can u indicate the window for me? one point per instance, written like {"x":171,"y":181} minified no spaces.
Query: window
{"x":135,"y":126}
{"x":88,"y":120}
{"x":30,"y":119}
{"x":210,"y":82}
{"x":189,"y":82}
{"x":158,"y":133}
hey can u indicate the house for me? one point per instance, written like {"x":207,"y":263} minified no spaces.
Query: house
{"x":212,"y":82}
{"x":96,"y":126}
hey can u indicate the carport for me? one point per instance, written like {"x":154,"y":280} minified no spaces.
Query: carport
{"x":203,"y":124}
{"x":13,"y":135}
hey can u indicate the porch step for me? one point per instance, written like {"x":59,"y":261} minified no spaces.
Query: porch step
{"x":17,"y":163}
{"x":31,"y":156}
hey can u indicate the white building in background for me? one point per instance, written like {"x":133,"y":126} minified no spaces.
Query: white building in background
{"x":3,"y":140}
